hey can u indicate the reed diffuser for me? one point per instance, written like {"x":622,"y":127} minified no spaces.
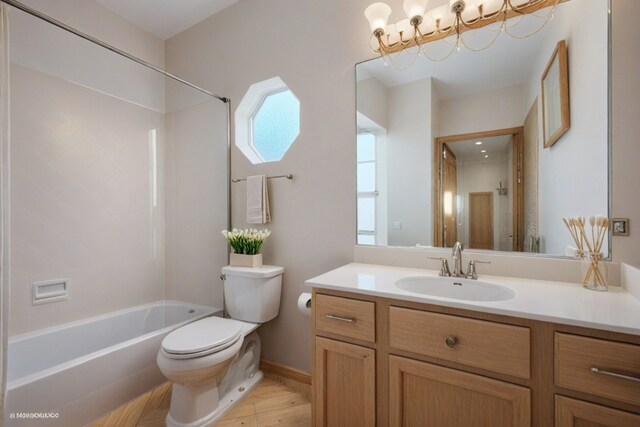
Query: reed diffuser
{"x":589,"y":249}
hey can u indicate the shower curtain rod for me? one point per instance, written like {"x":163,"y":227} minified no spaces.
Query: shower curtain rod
{"x":113,"y":49}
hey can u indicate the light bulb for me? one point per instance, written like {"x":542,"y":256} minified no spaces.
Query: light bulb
{"x":377,"y":14}
{"x":393,"y":36}
{"x":404,"y":27}
{"x":415,"y":8}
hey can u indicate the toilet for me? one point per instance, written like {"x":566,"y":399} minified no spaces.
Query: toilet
{"x":213,"y":362}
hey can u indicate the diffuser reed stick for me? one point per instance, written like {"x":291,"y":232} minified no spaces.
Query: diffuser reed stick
{"x":593,"y":254}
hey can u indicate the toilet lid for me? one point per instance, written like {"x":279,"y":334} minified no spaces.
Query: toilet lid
{"x":206,"y":335}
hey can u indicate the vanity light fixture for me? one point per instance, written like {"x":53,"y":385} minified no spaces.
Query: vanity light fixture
{"x":448,"y":23}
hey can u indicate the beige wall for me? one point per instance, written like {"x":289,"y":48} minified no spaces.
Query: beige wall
{"x":313,"y":47}
{"x":409,"y":161}
{"x":96,"y":20}
{"x":82,"y":201}
{"x":626,"y":127}
{"x":372,"y":102}
{"x":469,"y":113}
{"x":80,"y":193}
{"x":195,"y":159}
{"x":577,"y":160}
{"x":482,"y":176}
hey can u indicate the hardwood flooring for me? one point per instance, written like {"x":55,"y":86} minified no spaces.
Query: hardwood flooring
{"x":276,"y":401}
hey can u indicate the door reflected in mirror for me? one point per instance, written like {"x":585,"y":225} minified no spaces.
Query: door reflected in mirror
{"x":453,"y":150}
{"x":479,"y":192}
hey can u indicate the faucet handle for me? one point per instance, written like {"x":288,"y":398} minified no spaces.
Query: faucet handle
{"x":471,"y":269}
{"x":444,"y":267}
{"x":457,"y":248}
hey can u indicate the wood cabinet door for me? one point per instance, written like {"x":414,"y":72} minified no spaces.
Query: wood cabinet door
{"x":576,"y":413}
{"x":423,"y":394}
{"x":344,"y":384}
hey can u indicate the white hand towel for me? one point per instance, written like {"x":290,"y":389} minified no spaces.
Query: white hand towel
{"x":257,"y":200}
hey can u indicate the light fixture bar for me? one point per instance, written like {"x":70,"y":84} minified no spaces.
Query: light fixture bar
{"x":458,"y":24}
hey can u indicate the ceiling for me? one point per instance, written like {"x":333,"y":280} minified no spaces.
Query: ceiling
{"x":506,"y":63}
{"x":497,"y":147}
{"x":166,"y":18}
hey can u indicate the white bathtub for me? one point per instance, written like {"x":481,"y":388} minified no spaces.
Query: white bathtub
{"x":71,"y":374}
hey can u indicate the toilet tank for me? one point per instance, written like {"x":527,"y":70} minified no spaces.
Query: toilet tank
{"x":252,"y":294}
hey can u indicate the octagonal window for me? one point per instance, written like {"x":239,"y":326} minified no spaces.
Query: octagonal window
{"x":267,"y":121}
{"x":276,"y":125}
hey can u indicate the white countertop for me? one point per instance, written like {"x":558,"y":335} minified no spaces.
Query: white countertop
{"x":559,"y":302}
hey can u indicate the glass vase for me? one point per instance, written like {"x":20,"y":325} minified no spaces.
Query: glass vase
{"x":594,"y":271}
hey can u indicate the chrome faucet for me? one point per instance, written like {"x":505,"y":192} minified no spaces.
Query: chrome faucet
{"x":457,"y":260}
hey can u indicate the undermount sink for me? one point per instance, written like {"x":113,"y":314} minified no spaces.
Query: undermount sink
{"x":457,"y":288}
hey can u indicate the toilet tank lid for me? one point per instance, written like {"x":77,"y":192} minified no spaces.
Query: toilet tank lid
{"x":262,"y":272}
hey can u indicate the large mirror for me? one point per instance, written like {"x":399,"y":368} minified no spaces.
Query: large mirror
{"x":455,"y":150}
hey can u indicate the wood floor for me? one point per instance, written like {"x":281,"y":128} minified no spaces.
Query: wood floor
{"x":276,"y":401}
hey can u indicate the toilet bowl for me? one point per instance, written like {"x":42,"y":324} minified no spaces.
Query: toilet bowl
{"x":214,"y":362}
{"x":196,"y":358}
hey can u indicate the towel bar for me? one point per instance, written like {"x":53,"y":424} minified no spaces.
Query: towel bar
{"x":289,"y":176}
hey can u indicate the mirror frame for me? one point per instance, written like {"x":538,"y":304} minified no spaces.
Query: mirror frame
{"x":609,"y":159}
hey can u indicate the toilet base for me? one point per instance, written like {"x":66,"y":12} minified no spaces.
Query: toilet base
{"x":228,"y":401}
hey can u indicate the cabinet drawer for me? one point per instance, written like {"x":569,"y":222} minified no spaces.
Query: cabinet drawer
{"x":487,"y":345}
{"x":577,"y":357}
{"x":344,"y":316}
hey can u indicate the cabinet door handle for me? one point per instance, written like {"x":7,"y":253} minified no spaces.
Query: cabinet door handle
{"x":621,"y":375}
{"x":340,"y":318}
{"x":451,"y":341}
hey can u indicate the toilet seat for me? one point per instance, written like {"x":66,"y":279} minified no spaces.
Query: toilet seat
{"x":203,"y":337}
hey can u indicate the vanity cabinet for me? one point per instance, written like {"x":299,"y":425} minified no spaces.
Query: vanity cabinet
{"x":387,"y":362}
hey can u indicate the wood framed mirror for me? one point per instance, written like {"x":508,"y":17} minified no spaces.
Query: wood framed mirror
{"x":487,"y":210}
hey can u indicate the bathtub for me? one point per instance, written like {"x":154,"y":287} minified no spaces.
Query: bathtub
{"x":71,"y":374}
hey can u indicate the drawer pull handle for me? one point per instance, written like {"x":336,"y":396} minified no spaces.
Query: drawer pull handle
{"x":451,"y":341}
{"x":340,"y":318}
{"x":624,"y":376}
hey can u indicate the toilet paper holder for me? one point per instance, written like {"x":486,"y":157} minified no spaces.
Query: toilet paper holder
{"x":305,"y":301}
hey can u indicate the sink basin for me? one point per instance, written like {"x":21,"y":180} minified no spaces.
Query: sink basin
{"x":457,"y":288}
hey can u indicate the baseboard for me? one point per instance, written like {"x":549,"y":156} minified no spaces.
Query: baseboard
{"x":285,"y":371}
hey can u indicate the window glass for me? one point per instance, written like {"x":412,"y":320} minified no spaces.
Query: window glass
{"x":276,"y":125}
{"x":366,"y":239}
{"x":366,"y":147}
{"x":367,"y":192}
{"x":366,"y":177}
{"x":366,"y":214}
